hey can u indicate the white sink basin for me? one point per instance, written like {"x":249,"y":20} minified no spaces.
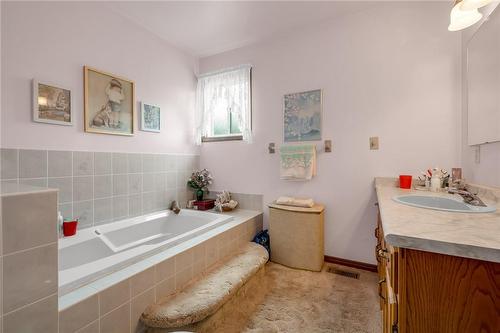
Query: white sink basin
{"x":441,"y":203}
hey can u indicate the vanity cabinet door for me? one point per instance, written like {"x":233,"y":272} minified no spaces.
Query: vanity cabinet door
{"x":387,"y":264}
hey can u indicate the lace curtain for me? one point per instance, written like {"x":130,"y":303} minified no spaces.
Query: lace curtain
{"x":233,"y":86}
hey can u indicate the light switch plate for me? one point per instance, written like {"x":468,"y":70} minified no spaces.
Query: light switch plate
{"x":328,"y":146}
{"x":374,"y":143}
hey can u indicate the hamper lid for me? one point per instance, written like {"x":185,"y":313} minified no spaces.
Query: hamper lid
{"x":316,"y":209}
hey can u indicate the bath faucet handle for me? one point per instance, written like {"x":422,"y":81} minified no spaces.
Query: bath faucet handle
{"x":175,"y":207}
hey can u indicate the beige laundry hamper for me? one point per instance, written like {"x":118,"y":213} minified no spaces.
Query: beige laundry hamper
{"x":297,"y":236}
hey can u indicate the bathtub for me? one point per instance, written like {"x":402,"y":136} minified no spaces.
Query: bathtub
{"x":100,"y":250}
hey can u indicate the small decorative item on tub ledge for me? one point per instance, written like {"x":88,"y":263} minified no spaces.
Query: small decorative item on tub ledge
{"x":69,"y":227}
{"x":199,"y":181}
{"x":223,"y":203}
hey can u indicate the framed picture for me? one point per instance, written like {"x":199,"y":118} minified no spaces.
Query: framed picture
{"x":109,"y":103}
{"x":302,"y":116}
{"x":150,"y":117}
{"x":51,"y":104}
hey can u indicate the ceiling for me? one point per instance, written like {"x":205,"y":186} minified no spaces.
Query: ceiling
{"x":205,"y":28}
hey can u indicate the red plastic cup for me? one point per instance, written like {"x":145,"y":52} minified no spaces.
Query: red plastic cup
{"x":69,"y":228}
{"x":405,"y":181}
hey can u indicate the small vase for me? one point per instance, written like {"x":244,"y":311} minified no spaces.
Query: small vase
{"x":199,"y":194}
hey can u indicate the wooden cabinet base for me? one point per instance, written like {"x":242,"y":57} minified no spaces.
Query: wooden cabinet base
{"x":447,"y":294}
{"x":424,"y":292}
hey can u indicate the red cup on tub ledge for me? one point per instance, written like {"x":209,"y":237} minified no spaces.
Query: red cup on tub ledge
{"x":69,"y":228}
{"x":405,"y":181}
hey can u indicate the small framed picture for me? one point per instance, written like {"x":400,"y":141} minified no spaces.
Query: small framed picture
{"x":150,"y":117}
{"x":51,"y":104}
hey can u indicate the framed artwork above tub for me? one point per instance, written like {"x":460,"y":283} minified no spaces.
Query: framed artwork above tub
{"x":51,"y":104}
{"x":150,"y":117}
{"x":109,"y":103}
{"x":302,"y":113}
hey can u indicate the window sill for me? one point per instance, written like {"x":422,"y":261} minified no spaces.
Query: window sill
{"x":222,"y":138}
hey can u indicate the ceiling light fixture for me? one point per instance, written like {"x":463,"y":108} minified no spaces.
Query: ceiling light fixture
{"x":474,"y":4}
{"x":461,"y":18}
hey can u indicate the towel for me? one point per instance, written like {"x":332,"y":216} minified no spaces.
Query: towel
{"x":298,"y":162}
{"x":288,"y":201}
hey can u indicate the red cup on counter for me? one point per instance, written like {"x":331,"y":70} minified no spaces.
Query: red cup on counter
{"x":69,"y":228}
{"x":405,"y":181}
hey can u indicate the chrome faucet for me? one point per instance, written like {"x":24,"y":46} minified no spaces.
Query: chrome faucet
{"x":469,"y":198}
{"x":175,"y":207}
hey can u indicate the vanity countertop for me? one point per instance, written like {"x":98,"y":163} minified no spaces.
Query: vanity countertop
{"x":470,"y":235}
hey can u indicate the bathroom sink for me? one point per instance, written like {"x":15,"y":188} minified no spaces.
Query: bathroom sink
{"x":441,"y":203}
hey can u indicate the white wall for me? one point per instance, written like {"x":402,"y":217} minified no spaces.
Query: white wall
{"x":392,"y":72}
{"x":487,"y":171}
{"x":52,"y":41}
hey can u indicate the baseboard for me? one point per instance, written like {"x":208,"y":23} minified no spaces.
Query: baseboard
{"x":351,"y":263}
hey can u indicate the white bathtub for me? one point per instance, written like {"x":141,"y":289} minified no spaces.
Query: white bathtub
{"x":97,"y":251}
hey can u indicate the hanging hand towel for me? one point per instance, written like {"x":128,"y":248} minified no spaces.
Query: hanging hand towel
{"x":298,"y":162}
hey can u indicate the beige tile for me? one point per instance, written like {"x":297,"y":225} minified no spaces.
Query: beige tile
{"x":165,"y":288}
{"x":83,"y":163}
{"x":114,"y":296}
{"x":102,"y":163}
{"x":142,"y":281}
{"x":35,"y":318}
{"x":184,"y":260}
{"x":79,"y":315}
{"x":199,"y":260}
{"x":119,"y":163}
{"x":212,"y":253}
{"x":138,"y":305}
{"x":183,"y":277}
{"x":199,"y":252}
{"x":29,"y":276}
{"x":134,"y":163}
{"x":90,"y":328}
{"x":117,"y":321}
{"x":10,"y":163}
{"x":165,"y":269}
{"x":29,"y":220}
{"x":59,"y":163}
{"x":32,"y":163}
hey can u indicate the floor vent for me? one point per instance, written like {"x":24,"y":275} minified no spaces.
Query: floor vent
{"x":352,"y":275}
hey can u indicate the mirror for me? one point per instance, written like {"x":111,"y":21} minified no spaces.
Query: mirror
{"x":483,"y":82}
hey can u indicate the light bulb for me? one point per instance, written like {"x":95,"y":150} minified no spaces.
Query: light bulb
{"x":461,"y":19}
{"x":473,"y":4}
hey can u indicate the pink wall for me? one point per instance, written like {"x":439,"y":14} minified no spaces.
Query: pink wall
{"x":383,"y":73}
{"x":53,"y":40}
{"x":487,"y":170}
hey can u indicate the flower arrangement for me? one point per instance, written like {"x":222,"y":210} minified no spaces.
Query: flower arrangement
{"x":199,"y":181}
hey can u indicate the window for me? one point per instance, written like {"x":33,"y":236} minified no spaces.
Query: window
{"x":223,"y":105}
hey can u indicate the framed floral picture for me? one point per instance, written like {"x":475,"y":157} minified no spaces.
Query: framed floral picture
{"x":302,"y":116}
{"x":150,"y":117}
{"x":109,"y":103}
{"x":51,"y":104}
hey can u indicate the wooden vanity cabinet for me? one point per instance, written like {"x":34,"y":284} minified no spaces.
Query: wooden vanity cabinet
{"x":427,"y":292}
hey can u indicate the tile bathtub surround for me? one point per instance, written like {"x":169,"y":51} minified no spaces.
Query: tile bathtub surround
{"x":119,"y":296}
{"x":101,"y":187}
{"x":29,"y":274}
{"x":245,"y":201}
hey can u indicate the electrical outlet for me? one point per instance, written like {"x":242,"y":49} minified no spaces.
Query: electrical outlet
{"x":374,"y":143}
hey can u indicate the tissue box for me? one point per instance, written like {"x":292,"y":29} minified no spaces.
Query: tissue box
{"x":205,"y":204}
